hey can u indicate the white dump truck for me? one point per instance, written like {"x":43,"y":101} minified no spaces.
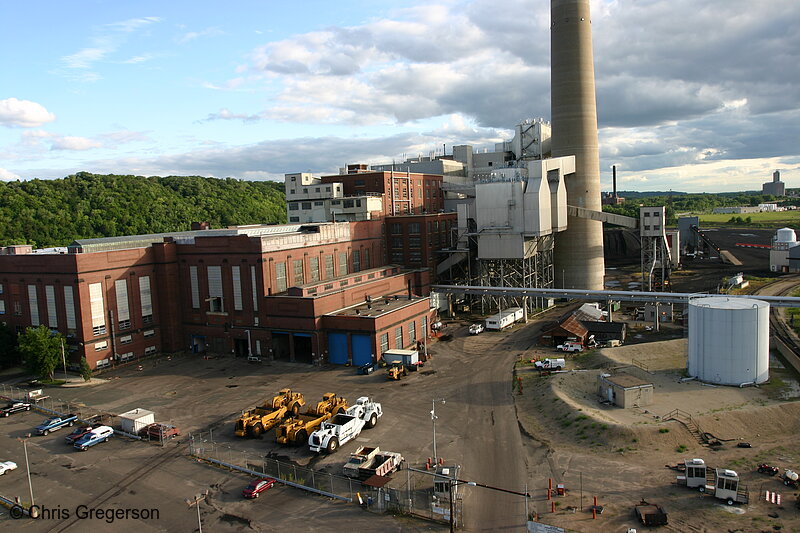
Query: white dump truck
{"x":338,"y":430}
{"x":368,"y":461}
{"x":367,"y":410}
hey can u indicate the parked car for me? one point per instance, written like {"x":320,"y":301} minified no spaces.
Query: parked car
{"x":159,"y":431}
{"x":77,"y":433}
{"x":477,"y":328}
{"x":7,"y":466}
{"x":15,"y":407}
{"x":257,"y":486}
{"x":95,"y":436}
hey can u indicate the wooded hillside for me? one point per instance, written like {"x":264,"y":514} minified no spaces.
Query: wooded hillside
{"x":55,"y":212}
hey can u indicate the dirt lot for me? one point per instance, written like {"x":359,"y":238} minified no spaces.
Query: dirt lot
{"x":619,"y":455}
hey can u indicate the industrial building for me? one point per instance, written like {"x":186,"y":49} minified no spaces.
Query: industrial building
{"x":305,"y":293}
{"x":775,"y":187}
{"x":624,"y":390}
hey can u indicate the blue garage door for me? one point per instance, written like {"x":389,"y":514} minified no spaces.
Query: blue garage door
{"x":362,"y":349}
{"x":337,"y":348}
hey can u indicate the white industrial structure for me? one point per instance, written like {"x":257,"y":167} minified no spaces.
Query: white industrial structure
{"x":785,"y":239}
{"x":656,"y":253}
{"x":308,"y":199}
{"x":728,"y":340}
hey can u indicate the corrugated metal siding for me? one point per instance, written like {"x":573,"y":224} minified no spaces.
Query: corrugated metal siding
{"x":96,"y":303}
{"x":145,"y":296}
{"x":237,"y":288}
{"x":69,"y":307}
{"x":123,"y":311}
{"x":33,"y":303}
{"x":52,"y":316}
{"x":195,"y":287}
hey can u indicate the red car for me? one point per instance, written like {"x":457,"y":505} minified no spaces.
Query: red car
{"x":79,"y":432}
{"x":257,"y":486}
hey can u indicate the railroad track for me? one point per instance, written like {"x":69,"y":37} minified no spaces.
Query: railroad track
{"x":778,"y":326}
{"x":121,"y":485}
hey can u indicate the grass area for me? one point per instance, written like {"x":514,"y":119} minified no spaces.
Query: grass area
{"x":766,"y":219}
{"x":50,"y":382}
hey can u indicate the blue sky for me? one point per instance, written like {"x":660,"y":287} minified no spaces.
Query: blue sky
{"x":694,"y":99}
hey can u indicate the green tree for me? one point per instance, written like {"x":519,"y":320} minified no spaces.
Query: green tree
{"x":8,"y":347}
{"x":86,"y":370}
{"x":40,"y":348}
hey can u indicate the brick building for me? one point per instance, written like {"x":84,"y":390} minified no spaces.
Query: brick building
{"x":290,"y":292}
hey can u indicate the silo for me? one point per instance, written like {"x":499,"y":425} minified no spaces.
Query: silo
{"x":728,"y":340}
{"x":786,"y":235}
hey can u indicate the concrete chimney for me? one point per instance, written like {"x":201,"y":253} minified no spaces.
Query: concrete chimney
{"x":578,"y":257}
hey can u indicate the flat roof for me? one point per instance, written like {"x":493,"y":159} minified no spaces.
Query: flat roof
{"x":378,"y":307}
{"x":627,"y":381}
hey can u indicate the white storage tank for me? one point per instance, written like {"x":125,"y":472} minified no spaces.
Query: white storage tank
{"x":728,"y":340}
{"x":786,"y":235}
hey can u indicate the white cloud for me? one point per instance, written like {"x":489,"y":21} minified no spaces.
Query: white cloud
{"x":23,"y":113}
{"x":73,"y":143}
{"x":192,"y":35}
{"x":7,"y":175}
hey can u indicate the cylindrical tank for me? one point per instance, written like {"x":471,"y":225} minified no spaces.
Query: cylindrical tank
{"x":786,"y":235}
{"x":728,"y":340}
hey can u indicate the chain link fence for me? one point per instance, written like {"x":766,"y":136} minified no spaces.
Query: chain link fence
{"x":411,"y":492}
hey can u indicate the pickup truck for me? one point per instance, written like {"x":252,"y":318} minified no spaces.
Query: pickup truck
{"x":570,"y":347}
{"x":54,"y":423}
{"x":15,"y":407}
{"x":95,"y":436}
{"x":550,"y":364}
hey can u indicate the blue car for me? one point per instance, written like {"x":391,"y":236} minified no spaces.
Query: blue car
{"x":95,"y":436}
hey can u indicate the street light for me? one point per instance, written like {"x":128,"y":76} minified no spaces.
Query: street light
{"x":27,"y":465}
{"x":433,"y":418}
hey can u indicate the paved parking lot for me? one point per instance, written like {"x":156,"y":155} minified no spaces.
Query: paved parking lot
{"x":476,"y":428}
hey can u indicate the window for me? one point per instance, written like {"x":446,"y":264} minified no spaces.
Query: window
{"x":396,"y":229}
{"x":397,"y":256}
{"x":148,"y":333}
{"x":419,"y":193}
{"x":215,"y":289}
{"x":414,"y":243}
{"x":413,"y":228}
{"x":69,"y":305}
{"x":126,"y":357}
{"x":305,"y":190}
{"x":297,"y":268}
{"x":33,"y":303}
{"x":123,"y":311}
{"x":319,"y":202}
{"x":306,"y":205}
{"x":97,"y":311}
{"x":348,"y":203}
{"x":1,"y":288}
{"x":254,"y":285}
{"x":150,"y":350}
{"x":366,"y":258}
{"x":412,"y":332}
{"x":2,"y":307}
{"x":329,"y":267}
{"x":17,"y":310}
{"x":423,"y":322}
{"x":356,"y":260}
{"x":50,"y":296}
{"x":397,"y":192}
{"x":280,"y":276}
{"x":236,"y":275}
{"x":145,"y":299}
{"x":316,"y":189}
{"x":314,"y":269}
{"x":397,"y":243}
{"x":384,"y":343}
{"x":336,"y":202}
{"x":343,"y":263}
{"x":195,"y":287}
{"x":294,"y":219}
{"x":327,"y":189}
{"x":294,"y":207}
{"x":398,"y":338}
{"x":100,"y":346}
{"x":126,"y":339}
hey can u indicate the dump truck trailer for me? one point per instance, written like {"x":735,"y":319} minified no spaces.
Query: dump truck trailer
{"x":334,"y":432}
{"x":295,"y":430}
{"x":265,"y":417}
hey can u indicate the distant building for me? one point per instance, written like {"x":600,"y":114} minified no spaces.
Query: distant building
{"x":738,"y":210}
{"x":775,"y":187}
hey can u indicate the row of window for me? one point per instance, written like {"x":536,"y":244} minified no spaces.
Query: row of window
{"x":411,"y":329}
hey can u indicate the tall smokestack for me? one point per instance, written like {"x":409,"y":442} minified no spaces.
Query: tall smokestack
{"x":614,"y":174}
{"x":579,"y":262}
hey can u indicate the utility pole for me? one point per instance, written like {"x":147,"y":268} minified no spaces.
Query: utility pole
{"x":63,"y":358}
{"x":28,"y":466}
{"x":433,"y":418}
{"x":196,"y":502}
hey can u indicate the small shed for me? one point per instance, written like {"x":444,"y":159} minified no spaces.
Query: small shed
{"x":568,"y":329}
{"x":624,"y":390}
{"x":136,"y":419}
{"x":606,"y":331}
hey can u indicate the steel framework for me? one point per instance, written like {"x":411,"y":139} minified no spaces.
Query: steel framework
{"x":656,"y":263}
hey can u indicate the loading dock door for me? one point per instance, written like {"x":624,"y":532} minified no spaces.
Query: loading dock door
{"x":362,"y":349}
{"x":337,"y":348}
{"x":302,"y":347}
{"x":280,"y":345}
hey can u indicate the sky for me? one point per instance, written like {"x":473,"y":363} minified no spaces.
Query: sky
{"x":692,"y":96}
